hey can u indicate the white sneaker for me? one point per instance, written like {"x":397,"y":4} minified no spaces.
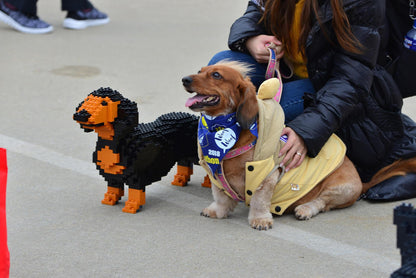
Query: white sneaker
{"x":85,"y":18}
{"x":23,"y":22}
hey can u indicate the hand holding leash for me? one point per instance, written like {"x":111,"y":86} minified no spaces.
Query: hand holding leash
{"x":258,"y":47}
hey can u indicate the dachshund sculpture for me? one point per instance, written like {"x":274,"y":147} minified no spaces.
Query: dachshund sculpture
{"x":405,"y":220}
{"x":136,"y":154}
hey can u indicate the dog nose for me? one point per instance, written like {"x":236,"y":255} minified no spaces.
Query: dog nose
{"x":186,"y":81}
{"x":82,"y":116}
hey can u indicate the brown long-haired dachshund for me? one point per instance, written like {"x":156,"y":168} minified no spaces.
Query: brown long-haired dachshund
{"x":250,"y":171}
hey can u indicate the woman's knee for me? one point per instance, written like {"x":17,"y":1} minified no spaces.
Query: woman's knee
{"x":231,"y":56}
{"x":258,"y":70}
{"x":223,"y":55}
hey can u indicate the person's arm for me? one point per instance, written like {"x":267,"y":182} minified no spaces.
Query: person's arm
{"x":349,"y":81}
{"x":245,"y":27}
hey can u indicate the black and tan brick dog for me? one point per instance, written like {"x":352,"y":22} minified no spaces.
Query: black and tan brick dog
{"x":136,"y":154}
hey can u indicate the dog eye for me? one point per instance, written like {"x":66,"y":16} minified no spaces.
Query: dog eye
{"x":104,"y":103}
{"x":216,"y":75}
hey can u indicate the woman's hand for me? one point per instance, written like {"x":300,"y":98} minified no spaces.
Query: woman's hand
{"x":257,"y":46}
{"x":294,"y":149}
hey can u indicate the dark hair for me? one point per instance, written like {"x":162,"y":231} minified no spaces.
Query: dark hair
{"x":278,"y":18}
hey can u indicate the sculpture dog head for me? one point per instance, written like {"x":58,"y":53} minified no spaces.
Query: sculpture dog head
{"x":104,"y":110}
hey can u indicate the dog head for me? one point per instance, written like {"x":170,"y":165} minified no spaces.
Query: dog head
{"x":222,"y":89}
{"x":102,"y":110}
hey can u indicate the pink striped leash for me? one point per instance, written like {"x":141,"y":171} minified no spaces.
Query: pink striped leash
{"x":273,"y":68}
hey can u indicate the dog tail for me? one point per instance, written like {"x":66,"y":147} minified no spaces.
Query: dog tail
{"x":398,"y":168}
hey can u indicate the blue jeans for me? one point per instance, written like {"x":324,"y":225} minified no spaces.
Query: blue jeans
{"x":292,"y":95}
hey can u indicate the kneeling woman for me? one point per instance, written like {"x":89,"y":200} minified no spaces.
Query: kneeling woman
{"x":332,"y":47}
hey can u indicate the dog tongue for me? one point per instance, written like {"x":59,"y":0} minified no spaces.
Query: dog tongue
{"x":191,"y":101}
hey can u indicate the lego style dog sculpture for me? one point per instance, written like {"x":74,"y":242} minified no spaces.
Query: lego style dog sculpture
{"x":405,"y":220}
{"x":136,"y":154}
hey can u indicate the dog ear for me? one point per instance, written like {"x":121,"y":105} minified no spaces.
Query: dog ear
{"x":247,"y":109}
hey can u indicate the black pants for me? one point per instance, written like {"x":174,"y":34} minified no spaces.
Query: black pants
{"x":29,"y":6}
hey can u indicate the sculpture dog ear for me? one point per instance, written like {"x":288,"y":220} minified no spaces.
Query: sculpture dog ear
{"x":247,"y":109}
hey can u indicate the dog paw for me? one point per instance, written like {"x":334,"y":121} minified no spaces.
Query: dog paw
{"x":304,"y":212}
{"x":216,"y":211}
{"x":110,"y":199}
{"x":209,"y":213}
{"x":261,"y":224}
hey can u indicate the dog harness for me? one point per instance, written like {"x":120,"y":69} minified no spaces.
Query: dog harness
{"x":220,"y":176}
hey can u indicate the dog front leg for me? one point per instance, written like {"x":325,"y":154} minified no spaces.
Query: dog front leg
{"x":221,"y":206}
{"x":137,"y":198}
{"x":113,"y":195}
{"x":183,"y":173}
{"x":259,"y":216}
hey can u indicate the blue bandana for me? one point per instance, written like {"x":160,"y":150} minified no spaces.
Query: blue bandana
{"x":217,"y":135}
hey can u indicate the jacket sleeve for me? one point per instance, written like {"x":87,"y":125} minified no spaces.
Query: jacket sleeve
{"x":346,"y":81}
{"x":245,"y":27}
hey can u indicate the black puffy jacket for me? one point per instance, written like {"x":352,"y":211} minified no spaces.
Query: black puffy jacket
{"x":355,"y":97}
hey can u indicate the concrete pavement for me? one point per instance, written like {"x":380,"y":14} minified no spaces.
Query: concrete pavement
{"x":57,"y":226}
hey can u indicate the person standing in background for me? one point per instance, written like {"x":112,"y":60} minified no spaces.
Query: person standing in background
{"x":22,"y":15}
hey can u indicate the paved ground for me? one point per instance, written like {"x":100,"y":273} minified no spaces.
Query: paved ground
{"x":56,"y":223}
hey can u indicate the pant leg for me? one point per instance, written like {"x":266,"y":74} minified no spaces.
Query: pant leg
{"x":292,"y":101}
{"x":24,"y":6}
{"x":76,"y":5}
{"x":257,"y":75}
